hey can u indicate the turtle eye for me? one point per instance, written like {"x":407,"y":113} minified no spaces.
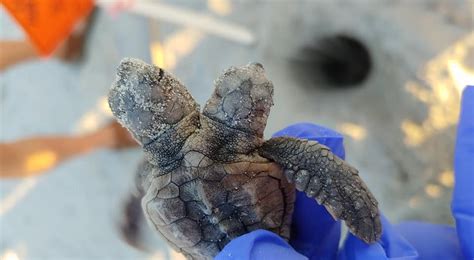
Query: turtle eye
{"x":257,"y":64}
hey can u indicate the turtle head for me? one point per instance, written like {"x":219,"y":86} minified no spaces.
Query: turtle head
{"x":242,"y":99}
{"x":147,"y":100}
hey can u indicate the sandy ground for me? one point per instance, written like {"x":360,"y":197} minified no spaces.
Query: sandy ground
{"x":71,"y":212}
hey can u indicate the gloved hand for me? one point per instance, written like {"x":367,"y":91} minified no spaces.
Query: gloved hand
{"x":316,"y":235}
{"x":463,"y":196}
{"x":314,"y":231}
{"x":434,"y":241}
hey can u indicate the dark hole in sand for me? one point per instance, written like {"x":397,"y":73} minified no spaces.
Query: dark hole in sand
{"x":334,"y":61}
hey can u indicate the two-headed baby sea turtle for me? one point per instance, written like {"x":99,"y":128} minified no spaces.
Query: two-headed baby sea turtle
{"x":209,"y":177}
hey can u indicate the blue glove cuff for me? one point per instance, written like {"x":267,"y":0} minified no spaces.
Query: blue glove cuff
{"x":259,"y":244}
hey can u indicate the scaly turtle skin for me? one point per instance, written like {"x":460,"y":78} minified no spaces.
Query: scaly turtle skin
{"x":210,"y":177}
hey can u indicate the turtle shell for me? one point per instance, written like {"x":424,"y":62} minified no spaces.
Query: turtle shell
{"x":202,"y":205}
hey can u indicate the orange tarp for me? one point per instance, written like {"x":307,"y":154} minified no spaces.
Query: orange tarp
{"x":48,"y":22}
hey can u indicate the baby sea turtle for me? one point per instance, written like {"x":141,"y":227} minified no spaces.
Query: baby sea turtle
{"x":209,"y":177}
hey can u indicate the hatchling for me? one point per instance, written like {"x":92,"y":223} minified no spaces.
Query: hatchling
{"x":210,"y":176}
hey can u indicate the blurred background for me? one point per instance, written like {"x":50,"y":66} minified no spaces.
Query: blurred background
{"x":387,"y":74}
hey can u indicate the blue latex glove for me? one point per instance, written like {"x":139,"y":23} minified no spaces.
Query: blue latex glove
{"x":316,"y":235}
{"x":463,"y":195}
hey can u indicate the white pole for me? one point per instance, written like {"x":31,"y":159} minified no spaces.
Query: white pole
{"x":189,"y":18}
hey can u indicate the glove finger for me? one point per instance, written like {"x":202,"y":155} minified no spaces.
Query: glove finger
{"x":390,"y":246}
{"x":432,"y":241}
{"x":463,"y":197}
{"x":323,"y":135}
{"x":259,"y":244}
{"x":315,"y":233}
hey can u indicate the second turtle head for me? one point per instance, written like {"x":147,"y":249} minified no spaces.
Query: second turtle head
{"x":242,"y":99}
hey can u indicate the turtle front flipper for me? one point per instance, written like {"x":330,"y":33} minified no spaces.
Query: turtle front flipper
{"x":156,"y":108}
{"x":335,"y":184}
{"x":132,"y":222}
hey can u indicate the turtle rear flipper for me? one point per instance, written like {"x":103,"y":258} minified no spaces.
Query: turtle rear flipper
{"x":322,"y":175}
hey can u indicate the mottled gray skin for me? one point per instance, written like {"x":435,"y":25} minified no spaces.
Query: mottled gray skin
{"x":210,"y":177}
